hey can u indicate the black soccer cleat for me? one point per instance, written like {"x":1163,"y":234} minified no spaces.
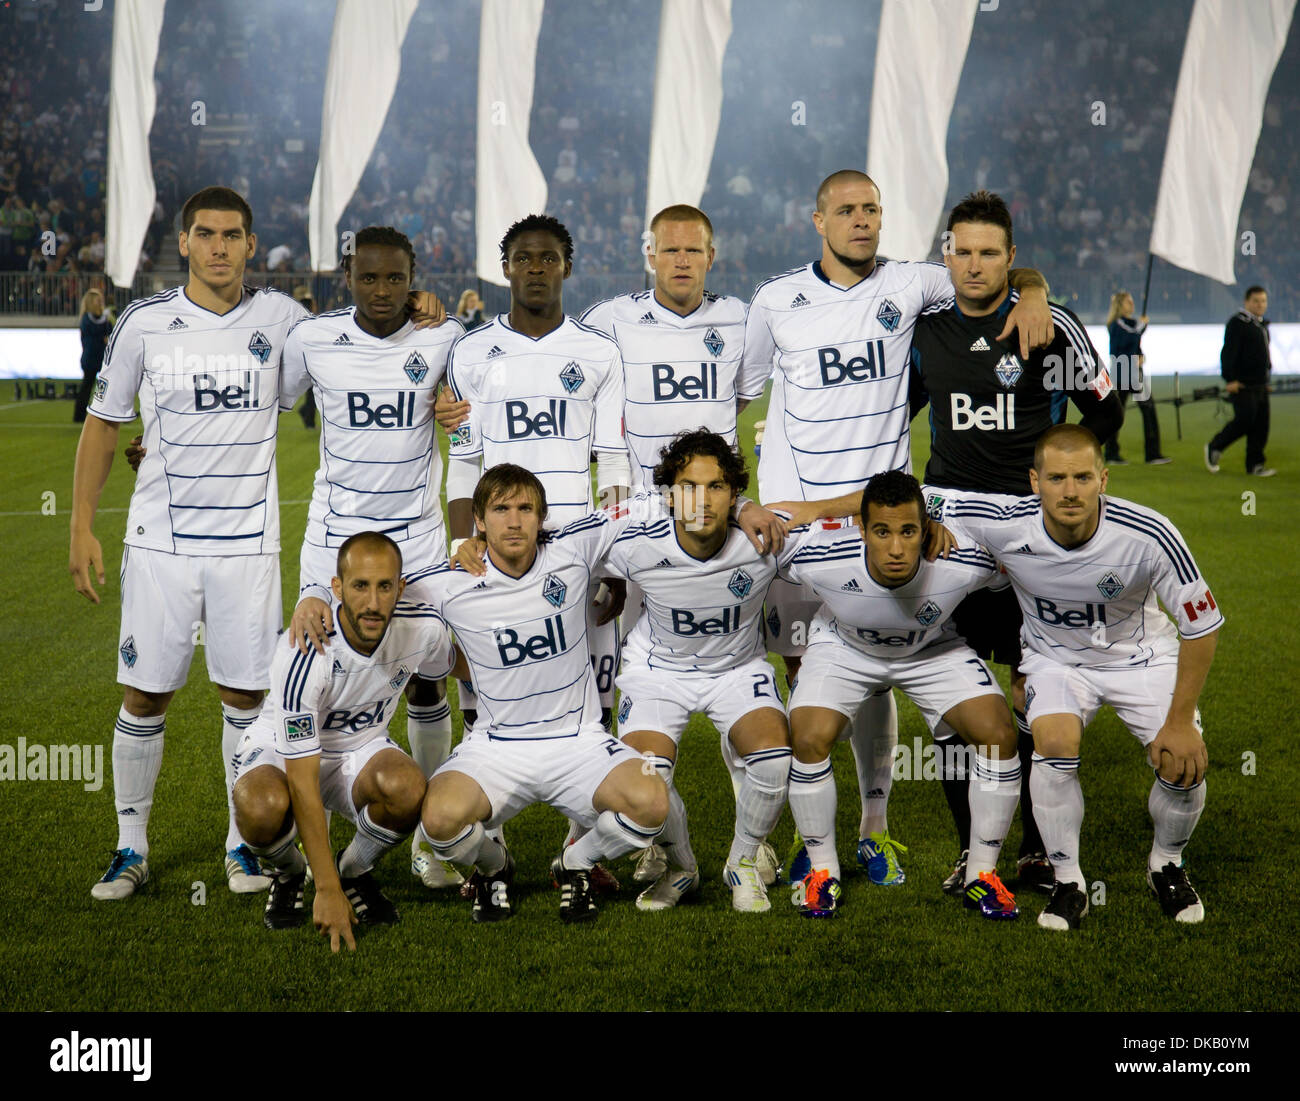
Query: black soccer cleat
{"x":1034,"y":872}
{"x":491,"y":893}
{"x":955,"y":884}
{"x":368,"y":901}
{"x":1065,"y":909}
{"x":1177,"y":897}
{"x":284,"y":909}
{"x":577,"y":895}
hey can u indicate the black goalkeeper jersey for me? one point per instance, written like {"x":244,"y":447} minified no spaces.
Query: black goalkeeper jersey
{"x":988,"y":406}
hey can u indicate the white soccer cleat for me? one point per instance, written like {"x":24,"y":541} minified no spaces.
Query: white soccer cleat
{"x":434,"y":873}
{"x":127,"y":871}
{"x":651,"y":865}
{"x":243,"y":873}
{"x":668,"y":890}
{"x":748,"y":895}
{"x":766,"y":863}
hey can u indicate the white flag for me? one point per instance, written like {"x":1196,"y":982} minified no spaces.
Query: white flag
{"x":137,"y":28}
{"x":1232,"y":49}
{"x":693,"y":37}
{"x":365,"y":60}
{"x":919,"y":60}
{"x":510,"y":184}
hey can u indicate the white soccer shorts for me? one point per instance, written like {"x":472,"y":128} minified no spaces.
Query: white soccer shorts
{"x":788,"y":613}
{"x":655,"y":699}
{"x":1140,"y":696}
{"x":839,"y":676}
{"x":338,"y":771}
{"x":561,"y":772}
{"x":173,"y":602}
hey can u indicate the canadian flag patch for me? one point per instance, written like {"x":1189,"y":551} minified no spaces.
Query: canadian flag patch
{"x":1101,"y":386}
{"x":1198,"y":608}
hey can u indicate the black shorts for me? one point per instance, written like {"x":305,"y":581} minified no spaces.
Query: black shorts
{"x":989,"y":620}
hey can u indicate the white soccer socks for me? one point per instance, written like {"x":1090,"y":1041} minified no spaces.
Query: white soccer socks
{"x":994,"y":791}
{"x":428,"y":729}
{"x":137,"y":757}
{"x":235,"y":722}
{"x":282,"y":854}
{"x":471,"y":846}
{"x":1174,"y":813}
{"x":874,"y":737}
{"x":612,"y":836}
{"x":369,"y":843}
{"x":813,"y":802}
{"x":760,"y":799}
{"x":1058,"y":810}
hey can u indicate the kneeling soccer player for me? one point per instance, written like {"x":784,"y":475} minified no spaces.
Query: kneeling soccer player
{"x":885,"y":622}
{"x":538,"y":736}
{"x":322,"y":744}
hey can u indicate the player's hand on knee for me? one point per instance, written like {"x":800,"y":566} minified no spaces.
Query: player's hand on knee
{"x":312,"y":622}
{"x":331,"y":913}
{"x":467,"y":555}
{"x":1178,"y":753}
{"x":135,"y":453}
{"x":426,"y":309}
{"x":938,"y":542}
{"x":449,"y":412}
{"x":764,"y":528}
{"x":86,"y":556}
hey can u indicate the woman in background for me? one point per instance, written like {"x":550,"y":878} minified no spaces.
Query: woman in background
{"x":96,"y":322}
{"x":469,"y":311}
{"x":1126,"y":361}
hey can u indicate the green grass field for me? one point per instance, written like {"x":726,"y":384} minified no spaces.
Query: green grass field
{"x":908,"y":948}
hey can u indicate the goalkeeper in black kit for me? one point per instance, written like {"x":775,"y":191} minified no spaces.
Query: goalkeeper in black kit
{"x":988,"y":406}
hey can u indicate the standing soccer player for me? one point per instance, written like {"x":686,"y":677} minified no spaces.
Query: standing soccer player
{"x":376,"y":378}
{"x":835,"y":336}
{"x":1087,"y":569}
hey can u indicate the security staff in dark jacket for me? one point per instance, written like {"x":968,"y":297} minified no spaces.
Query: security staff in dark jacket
{"x":1246,"y":368}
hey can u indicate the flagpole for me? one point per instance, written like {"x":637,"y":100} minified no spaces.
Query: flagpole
{"x":1146,"y":288}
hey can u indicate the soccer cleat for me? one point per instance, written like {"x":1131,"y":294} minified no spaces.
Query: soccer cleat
{"x":769,"y":871}
{"x":818,"y":895}
{"x":1116,"y":461}
{"x":1159,"y":460}
{"x":1177,"y":897}
{"x":1034,"y":872}
{"x":1259,"y":470}
{"x":748,"y":895}
{"x":955,"y":884}
{"x":1065,"y":909}
{"x":603,"y":881}
{"x":879,"y":855}
{"x":668,"y":890}
{"x":368,"y":901}
{"x":126,"y":871}
{"x":651,"y":865}
{"x":491,"y":893}
{"x":796,"y":861}
{"x":434,"y":873}
{"x":243,"y":873}
{"x":986,"y":894}
{"x":577,"y":892}
{"x":284,"y":908}
{"x":1212,"y":458}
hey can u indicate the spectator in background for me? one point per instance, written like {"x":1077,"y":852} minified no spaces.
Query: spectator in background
{"x":1126,"y":360}
{"x":1246,"y":369}
{"x":469,"y":311}
{"x":96,"y":321}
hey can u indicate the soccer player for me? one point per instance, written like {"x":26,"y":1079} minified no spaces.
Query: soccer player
{"x":376,"y":377}
{"x":835,"y":336}
{"x":321,"y":743}
{"x":1087,"y":569}
{"x":538,"y":737}
{"x":886,"y":622}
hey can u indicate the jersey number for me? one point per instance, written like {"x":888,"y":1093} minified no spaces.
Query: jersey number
{"x":761,"y":683}
{"x":604,"y":673}
{"x":985,"y":680}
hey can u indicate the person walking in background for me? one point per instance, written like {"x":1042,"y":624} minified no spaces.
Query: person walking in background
{"x":1245,"y":364}
{"x":96,"y":322}
{"x":1126,"y":360}
{"x":469,"y":311}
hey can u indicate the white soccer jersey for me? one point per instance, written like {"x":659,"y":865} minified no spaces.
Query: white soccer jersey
{"x":380,"y":467}
{"x":1094,"y":604}
{"x":839,"y":361}
{"x":887,"y":622}
{"x":209,"y":402}
{"x":679,"y":372}
{"x":526,"y":638}
{"x":338,"y":701}
{"x":543,"y":404}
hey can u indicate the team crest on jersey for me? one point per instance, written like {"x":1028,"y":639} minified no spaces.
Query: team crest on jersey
{"x":415,"y":367}
{"x":342,"y":339}
{"x":101,"y":387}
{"x":934,"y":507}
{"x":1009,"y":370}
{"x":928,"y":614}
{"x":299,"y":728}
{"x":774,"y":622}
{"x":1110,"y":586}
{"x":129,"y":652}
{"x":889,"y":315}
{"x":714,"y":342}
{"x":624,"y":709}
{"x":554,"y":589}
{"x":740,"y":584}
{"x":260,"y":347}
{"x":572,"y":377}
{"x":399,"y":678}
{"x":496,"y":351}
{"x":176,"y":325}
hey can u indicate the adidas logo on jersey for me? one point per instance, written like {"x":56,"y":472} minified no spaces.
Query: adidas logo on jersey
{"x":663,"y":564}
{"x":1026,"y":549}
{"x":980,"y":345}
{"x":177,"y":323}
{"x":647,"y":318}
{"x":481,"y":585}
{"x":337,"y":670}
{"x":496,"y":351}
{"x":852,"y":586}
{"x":799,"y":300}
{"x":342,"y":338}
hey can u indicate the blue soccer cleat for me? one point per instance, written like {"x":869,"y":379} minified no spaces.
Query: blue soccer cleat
{"x":820,"y":893}
{"x":987,"y":894}
{"x":127,"y":871}
{"x":796,"y":861}
{"x":878,"y":854}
